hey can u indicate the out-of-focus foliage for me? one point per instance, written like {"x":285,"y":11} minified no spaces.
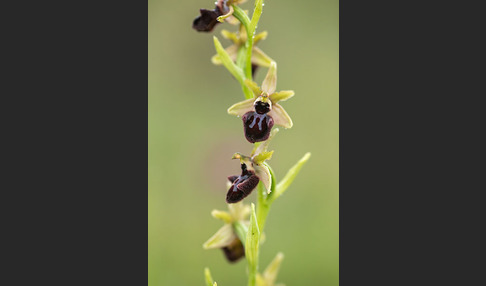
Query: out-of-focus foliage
{"x":192,"y":139}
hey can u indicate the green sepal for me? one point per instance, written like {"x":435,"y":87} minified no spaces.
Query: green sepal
{"x":260,"y":36}
{"x":289,"y":177}
{"x":281,"y":95}
{"x":259,"y":58}
{"x":223,"y":237}
{"x":222,"y":215}
{"x":270,"y":82}
{"x":242,"y":107}
{"x":230,"y":36}
{"x":239,"y":211}
{"x":280,"y":116}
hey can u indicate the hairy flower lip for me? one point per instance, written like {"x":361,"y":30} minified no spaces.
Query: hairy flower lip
{"x":209,"y":18}
{"x":242,"y":185}
{"x":257,"y":126}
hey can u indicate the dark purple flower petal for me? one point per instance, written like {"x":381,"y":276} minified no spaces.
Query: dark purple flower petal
{"x":232,"y":178}
{"x":208,"y":18}
{"x":242,"y":186}
{"x":234,"y":251}
{"x":257,"y":127}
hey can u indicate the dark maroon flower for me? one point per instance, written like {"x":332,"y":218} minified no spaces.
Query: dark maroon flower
{"x":242,"y":185}
{"x":234,"y":251}
{"x":257,"y":126}
{"x":255,"y":110}
{"x":209,"y":18}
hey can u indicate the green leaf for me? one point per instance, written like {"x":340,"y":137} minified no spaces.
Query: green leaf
{"x":289,"y":177}
{"x":225,"y":58}
{"x":208,"y":277}
{"x":252,"y":241}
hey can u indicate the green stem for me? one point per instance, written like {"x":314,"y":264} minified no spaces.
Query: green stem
{"x":250,"y":27}
{"x":251,"y":33}
{"x":246,"y":49}
{"x":262,"y":207}
{"x":261,"y":214}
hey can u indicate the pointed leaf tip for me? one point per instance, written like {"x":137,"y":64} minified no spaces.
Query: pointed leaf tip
{"x":208,"y":277}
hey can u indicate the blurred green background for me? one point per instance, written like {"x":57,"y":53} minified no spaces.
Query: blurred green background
{"x":191,"y":140}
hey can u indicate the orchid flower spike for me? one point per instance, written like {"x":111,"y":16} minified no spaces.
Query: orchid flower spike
{"x":260,"y":113}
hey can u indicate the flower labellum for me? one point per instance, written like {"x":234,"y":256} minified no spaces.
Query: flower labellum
{"x":257,"y":125}
{"x":209,"y":18}
{"x":242,"y":185}
{"x":234,"y":251}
